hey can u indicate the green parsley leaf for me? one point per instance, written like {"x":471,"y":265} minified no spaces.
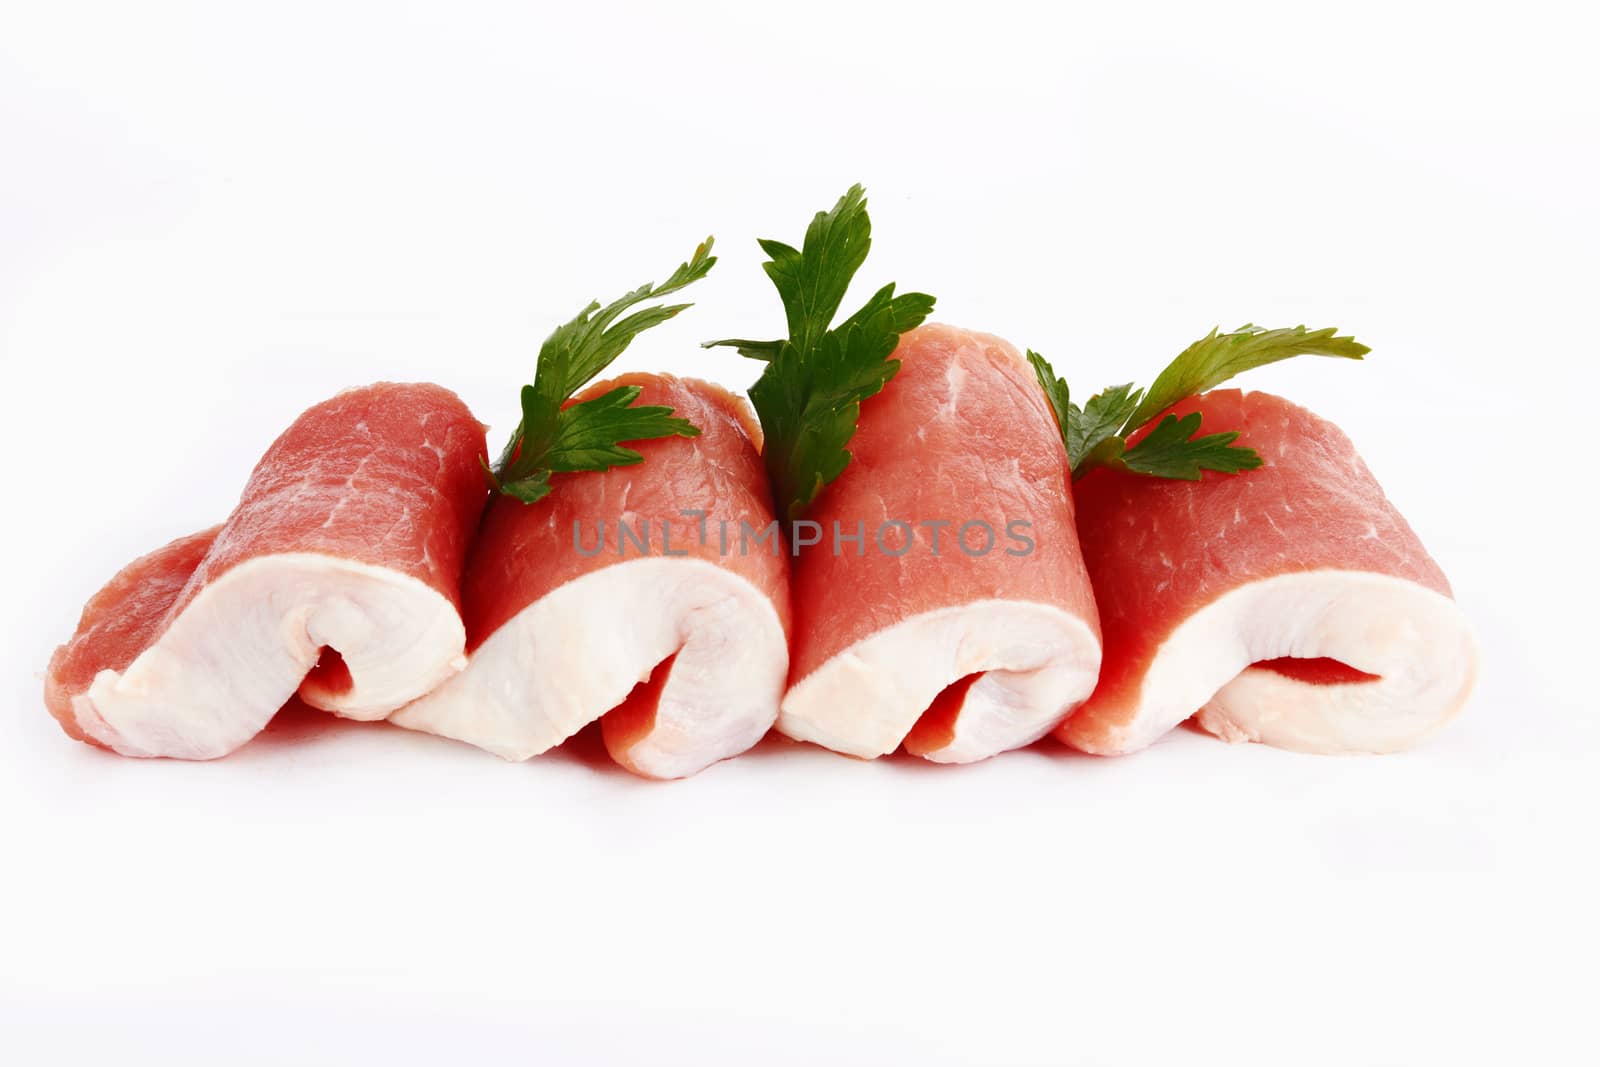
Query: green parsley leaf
{"x":809,"y":396}
{"x":1172,"y":451}
{"x":1096,"y":435}
{"x":556,"y":436}
{"x":1101,"y":420}
{"x":1216,"y":357}
{"x":530,"y":490}
{"x":762,"y":350}
{"x":587,"y":433}
{"x":1057,"y":393}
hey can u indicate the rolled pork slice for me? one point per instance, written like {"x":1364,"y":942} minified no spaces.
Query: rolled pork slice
{"x":666,"y":631}
{"x":1291,"y":604}
{"x":338,"y":575}
{"x":959,"y":640}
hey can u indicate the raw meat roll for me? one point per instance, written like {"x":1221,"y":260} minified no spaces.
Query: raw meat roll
{"x":1290,"y":604}
{"x":988,"y":620}
{"x":346,"y":548}
{"x":661,"y":623}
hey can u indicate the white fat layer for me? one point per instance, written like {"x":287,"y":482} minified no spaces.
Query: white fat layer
{"x":1416,"y":641}
{"x":1037,"y":662}
{"x":577,"y":652}
{"x":244,"y":644}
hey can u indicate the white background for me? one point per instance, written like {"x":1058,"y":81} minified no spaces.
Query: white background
{"x":212,"y":217}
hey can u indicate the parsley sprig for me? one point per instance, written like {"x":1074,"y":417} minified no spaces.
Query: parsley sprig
{"x":556,"y":436}
{"x":1096,"y":435}
{"x":809,"y":396}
